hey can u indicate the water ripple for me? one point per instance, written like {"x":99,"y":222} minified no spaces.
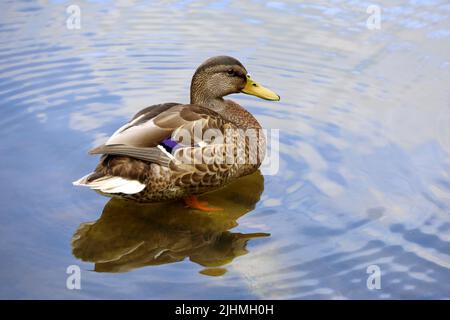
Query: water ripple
{"x":364,"y":149}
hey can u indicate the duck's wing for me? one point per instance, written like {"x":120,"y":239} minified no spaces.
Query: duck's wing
{"x":142,"y":138}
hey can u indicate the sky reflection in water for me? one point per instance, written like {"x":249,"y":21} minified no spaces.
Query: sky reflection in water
{"x":364,"y":142}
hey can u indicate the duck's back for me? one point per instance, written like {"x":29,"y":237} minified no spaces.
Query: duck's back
{"x":170,"y":150}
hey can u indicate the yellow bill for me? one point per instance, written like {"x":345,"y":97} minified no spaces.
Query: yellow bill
{"x":255,"y":89}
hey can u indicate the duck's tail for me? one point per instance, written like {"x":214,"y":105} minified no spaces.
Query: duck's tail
{"x":110,"y":184}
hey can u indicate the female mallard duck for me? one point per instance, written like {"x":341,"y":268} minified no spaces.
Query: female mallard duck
{"x":173,"y":151}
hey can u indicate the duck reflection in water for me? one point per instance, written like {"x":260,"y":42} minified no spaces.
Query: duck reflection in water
{"x":130,"y":235}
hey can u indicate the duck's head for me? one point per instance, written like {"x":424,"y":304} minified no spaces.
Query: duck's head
{"x":222,"y":75}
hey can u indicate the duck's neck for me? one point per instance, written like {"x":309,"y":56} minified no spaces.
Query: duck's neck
{"x":204,"y":96}
{"x":216,"y":104}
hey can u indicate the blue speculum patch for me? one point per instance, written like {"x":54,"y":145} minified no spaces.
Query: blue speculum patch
{"x":169,"y":144}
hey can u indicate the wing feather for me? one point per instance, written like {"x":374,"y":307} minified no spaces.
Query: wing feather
{"x":155,"y":155}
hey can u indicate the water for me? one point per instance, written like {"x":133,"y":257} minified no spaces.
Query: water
{"x":364,"y":150}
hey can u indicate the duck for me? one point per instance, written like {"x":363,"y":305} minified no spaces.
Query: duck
{"x":174,"y":151}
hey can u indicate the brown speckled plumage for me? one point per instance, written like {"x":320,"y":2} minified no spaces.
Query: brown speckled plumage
{"x":134,"y":151}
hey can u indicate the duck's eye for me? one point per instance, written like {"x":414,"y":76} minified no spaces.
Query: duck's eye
{"x":231,"y":72}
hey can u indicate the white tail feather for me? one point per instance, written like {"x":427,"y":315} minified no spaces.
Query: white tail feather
{"x":111,"y":184}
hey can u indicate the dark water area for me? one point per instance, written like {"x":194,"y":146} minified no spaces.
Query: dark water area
{"x":364,"y":151}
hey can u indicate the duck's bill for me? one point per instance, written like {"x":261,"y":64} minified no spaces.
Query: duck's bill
{"x":255,"y":89}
